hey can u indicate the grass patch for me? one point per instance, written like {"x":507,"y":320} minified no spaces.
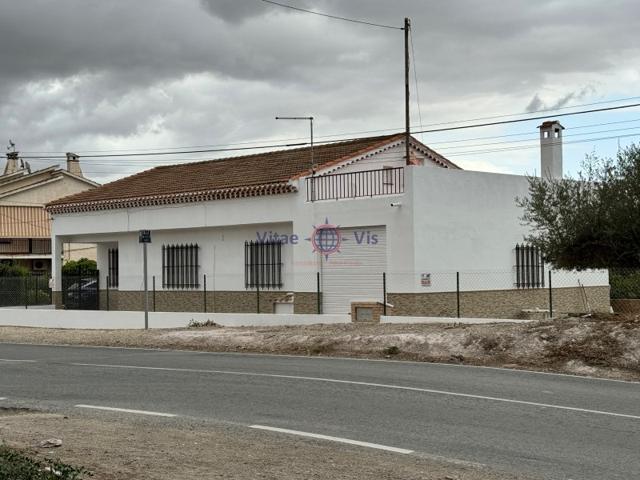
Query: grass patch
{"x":15,"y":465}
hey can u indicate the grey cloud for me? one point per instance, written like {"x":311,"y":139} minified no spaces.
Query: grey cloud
{"x":535,"y":104}
{"x":89,"y":72}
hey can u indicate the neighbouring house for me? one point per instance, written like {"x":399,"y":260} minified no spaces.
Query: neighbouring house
{"x":25,"y":225}
{"x":274,"y":233}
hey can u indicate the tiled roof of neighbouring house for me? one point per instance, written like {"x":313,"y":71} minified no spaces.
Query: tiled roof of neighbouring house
{"x":258,"y":174}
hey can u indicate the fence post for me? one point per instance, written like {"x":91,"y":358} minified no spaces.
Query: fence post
{"x":384,"y":293}
{"x":26,"y":294}
{"x":257,"y":297}
{"x":205,"y":292}
{"x":154,"y":292}
{"x":108,"y":292}
{"x":458,"y":293}
{"x":318,"y":299}
{"x":550,"y":297}
{"x":37,"y":288}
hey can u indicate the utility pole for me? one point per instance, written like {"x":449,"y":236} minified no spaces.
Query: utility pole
{"x":407,"y":120}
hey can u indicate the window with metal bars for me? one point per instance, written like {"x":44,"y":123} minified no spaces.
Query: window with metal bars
{"x":113,"y":269}
{"x":180,"y":266}
{"x":263,"y":264}
{"x":529,"y":267}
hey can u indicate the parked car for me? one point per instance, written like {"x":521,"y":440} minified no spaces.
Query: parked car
{"x":82,"y":294}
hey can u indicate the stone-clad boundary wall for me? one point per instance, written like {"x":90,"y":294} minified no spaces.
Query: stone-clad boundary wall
{"x":478,"y":304}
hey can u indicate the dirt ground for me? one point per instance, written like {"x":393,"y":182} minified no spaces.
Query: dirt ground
{"x":604,"y":346}
{"x":117,"y":448}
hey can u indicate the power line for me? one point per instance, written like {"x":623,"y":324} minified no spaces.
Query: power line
{"x":184,"y":161}
{"x":210,"y":150}
{"x":533,"y":111}
{"x":301,"y":144}
{"x":529,"y":133}
{"x":536,"y":138}
{"x":543,"y":117}
{"x":328,"y":136}
{"x":335,"y":17}
{"x":526,"y":147}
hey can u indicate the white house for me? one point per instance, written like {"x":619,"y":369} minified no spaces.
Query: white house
{"x":270,"y":231}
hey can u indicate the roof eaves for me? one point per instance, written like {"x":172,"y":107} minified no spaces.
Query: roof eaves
{"x":173,"y":198}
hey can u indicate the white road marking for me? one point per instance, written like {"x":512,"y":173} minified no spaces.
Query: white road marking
{"x":365,"y":384}
{"x":505,"y":370}
{"x":126,"y":410}
{"x":333,"y":439}
{"x":3,"y":398}
{"x":16,"y":361}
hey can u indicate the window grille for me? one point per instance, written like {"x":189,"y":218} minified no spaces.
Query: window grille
{"x":529,"y":267}
{"x":113,"y":268}
{"x":180,"y":266}
{"x":263,"y":264}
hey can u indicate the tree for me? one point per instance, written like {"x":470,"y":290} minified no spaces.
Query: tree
{"x":592,"y":221}
{"x":79,"y":267}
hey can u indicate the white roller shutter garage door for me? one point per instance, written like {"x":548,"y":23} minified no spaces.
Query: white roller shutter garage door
{"x":355,"y":272}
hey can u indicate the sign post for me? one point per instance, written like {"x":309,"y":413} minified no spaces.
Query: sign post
{"x":144,"y":239}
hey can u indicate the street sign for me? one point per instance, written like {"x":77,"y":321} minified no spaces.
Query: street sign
{"x":145,"y":236}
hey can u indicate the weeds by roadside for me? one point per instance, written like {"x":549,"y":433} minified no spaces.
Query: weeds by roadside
{"x":16,"y":465}
{"x":197,"y":324}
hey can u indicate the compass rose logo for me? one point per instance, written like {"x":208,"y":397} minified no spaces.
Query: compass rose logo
{"x":326,"y":238}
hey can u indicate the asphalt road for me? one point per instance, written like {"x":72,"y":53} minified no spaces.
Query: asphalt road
{"x":554,"y":426}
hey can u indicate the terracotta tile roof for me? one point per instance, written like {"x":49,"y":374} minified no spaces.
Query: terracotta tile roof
{"x":250,"y":175}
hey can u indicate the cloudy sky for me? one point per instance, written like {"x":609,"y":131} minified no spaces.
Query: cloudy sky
{"x":96,"y":75}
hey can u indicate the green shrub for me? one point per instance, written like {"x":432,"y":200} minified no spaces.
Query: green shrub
{"x":8,"y":270}
{"x":625,"y":284}
{"x":15,"y":465}
{"x":79,"y":267}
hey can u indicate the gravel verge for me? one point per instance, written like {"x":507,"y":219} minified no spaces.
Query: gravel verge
{"x":606,"y":347}
{"x":125,"y":448}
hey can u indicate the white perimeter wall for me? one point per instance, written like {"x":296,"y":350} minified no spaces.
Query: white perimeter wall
{"x":135,"y":320}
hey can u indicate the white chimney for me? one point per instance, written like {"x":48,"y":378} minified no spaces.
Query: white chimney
{"x":12,"y":163}
{"x":73,"y":164}
{"x":551,"y":149}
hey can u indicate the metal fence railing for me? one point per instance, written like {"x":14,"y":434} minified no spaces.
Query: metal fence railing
{"x":465,"y":293}
{"x":26,"y":291}
{"x":366,"y":183}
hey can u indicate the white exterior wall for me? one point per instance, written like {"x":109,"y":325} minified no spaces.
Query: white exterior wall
{"x":469,"y":222}
{"x":221,"y":227}
{"x":389,"y":157}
